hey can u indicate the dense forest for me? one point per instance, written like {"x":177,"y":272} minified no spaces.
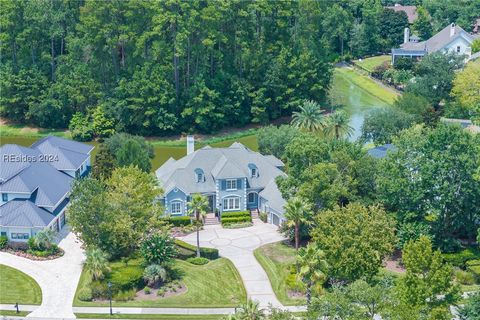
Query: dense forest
{"x":163,"y":67}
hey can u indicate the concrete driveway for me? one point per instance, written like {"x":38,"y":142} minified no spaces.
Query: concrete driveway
{"x":57,"y":278}
{"x":238,"y":246}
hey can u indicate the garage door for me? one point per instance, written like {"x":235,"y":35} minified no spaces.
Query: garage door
{"x":275,"y":219}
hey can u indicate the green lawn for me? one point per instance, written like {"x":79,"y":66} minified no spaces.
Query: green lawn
{"x":13,"y":313}
{"x":276,"y":259}
{"x":372,"y":62}
{"x":148,"y":316}
{"x":214,"y":285}
{"x":16,"y":286}
{"x":369,"y":85}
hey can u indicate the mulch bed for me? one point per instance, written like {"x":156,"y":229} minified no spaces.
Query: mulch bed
{"x":170,"y":292}
{"x":27,"y":255}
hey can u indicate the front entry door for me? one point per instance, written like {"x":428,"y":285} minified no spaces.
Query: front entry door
{"x":211,"y":203}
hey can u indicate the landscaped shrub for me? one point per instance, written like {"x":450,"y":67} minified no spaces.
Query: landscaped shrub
{"x":18,"y":246}
{"x":3,"y":241}
{"x":198,"y":261}
{"x":154,"y":273}
{"x":464,"y":277}
{"x":459,"y":259}
{"x":184,"y":254}
{"x":475,"y":270}
{"x":126,"y":277}
{"x":99,"y":289}
{"x":125,"y":295}
{"x":235,"y":214}
{"x":53,"y":250}
{"x":209,"y":253}
{"x":226,"y":221}
{"x":147,"y":290}
{"x":263,"y":216}
{"x":292,"y":281}
{"x":158,"y":248}
{"x":180,"y":221}
{"x":237,"y":225}
{"x":475,"y":262}
{"x":85,"y":294}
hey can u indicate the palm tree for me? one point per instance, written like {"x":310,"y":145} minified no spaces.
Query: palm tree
{"x":154,"y":273}
{"x":338,"y":125}
{"x":43,"y":240}
{"x":96,"y":263}
{"x":313,"y":267}
{"x":309,"y":117}
{"x":297,"y":211}
{"x":198,"y":207}
{"x":250,"y":311}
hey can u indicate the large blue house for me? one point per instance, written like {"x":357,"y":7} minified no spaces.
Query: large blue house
{"x":234,"y":179}
{"x":35,"y":184}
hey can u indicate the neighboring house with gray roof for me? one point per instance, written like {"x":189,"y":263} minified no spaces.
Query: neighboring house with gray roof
{"x":381,"y":152}
{"x":233,"y":179}
{"x":452,"y":38}
{"x":35,"y":183}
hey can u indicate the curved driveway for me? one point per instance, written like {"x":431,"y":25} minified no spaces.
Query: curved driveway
{"x":57,"y":278}
{"x":238,"y":246}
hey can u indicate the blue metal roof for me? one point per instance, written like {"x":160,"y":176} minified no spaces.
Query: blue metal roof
{"x":381,"y":151}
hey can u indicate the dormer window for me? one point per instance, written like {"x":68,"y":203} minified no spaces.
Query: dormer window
{"x":199,"y":175}
{"x":253,"y":170}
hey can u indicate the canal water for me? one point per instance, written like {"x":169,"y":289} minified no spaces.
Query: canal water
{"x":357,"y":103}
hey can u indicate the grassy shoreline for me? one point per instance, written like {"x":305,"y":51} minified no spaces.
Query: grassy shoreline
{"x":368,"y":85}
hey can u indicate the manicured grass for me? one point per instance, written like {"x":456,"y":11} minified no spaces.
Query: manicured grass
{"x":25,"y":131}
{"x":13,"y":313}
{"x":276,"y":259}
{"x":148,"y":316}
{"x":16,"y":286}
{"x":367,"y":84}
{"x":370,"y":63}
{"x":214,"y":285}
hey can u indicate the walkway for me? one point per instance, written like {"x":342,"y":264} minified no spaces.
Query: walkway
{"x":238,"y":246}
{"x":57,"y":278}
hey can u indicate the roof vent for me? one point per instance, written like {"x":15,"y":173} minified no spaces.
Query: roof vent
{"x":452,"y":30}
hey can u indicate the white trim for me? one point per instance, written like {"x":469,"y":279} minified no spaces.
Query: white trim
{"x":231,"y":197}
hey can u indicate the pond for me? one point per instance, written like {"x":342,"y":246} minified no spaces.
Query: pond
{"x":162,"y":153}
{"x":357,"y":101}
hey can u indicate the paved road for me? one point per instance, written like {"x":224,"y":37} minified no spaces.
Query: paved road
{"x":57,"y":278}
{"x":238,"y":246}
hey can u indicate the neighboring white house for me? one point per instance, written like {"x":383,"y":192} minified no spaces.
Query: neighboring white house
{"x":35,"y":184}
{"x":452,"y":38}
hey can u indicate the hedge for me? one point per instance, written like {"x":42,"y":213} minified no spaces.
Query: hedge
{"x":226,"y":221}
{"x":180,"y":221}
{"x":235,"y":214}
{"x":476,"y":272}
{"x":183,"y":248}
{"x":459,"y":259}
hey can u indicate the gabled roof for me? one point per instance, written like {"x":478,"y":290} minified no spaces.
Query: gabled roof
{"x":439,"y":40}
{"x":274,"y":197}
{"x":24,"y":213}
{"x":411,"y":11}
{"x":217,"y":163}
{"x":71,"y":154}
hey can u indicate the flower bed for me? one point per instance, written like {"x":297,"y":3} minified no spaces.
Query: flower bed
{"x":30,"y":255}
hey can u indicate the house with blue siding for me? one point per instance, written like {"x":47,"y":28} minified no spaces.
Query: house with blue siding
{"x":233,"y":179}
{"x":35,"y":184}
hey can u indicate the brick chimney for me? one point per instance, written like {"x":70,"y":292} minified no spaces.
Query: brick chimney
{"x":190,"y":144}
{"x":406,"y":35}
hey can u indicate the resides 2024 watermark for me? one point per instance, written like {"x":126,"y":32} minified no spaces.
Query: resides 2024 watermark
{"x":29,"y":158}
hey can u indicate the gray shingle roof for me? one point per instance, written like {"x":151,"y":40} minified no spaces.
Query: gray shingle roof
{"x":24,"y":213}
{"x":438,"y":41}
{"x":71,"y":154}
{"x":273,"y":196}
{"x":217,"y":163}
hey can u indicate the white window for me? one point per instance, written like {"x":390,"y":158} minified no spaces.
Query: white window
{"x":232,"y":184}
{"x":199,"y":177}
{"x":254,"y":172}
{"x":176,"y":207}
{"x":4,"y":197}
{"x":20,"y":236}
{"x":231,"y":203}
